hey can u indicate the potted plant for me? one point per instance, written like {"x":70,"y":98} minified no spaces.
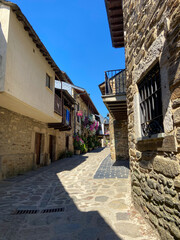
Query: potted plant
{"x":78,"y":142}
{"x":90,"y":143}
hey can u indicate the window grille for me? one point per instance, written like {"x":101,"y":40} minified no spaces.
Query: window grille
{"x":151,"y":103}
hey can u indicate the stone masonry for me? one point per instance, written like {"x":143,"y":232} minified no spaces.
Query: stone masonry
{"x":152,"y":35}
{"x":118,"y":139}
{"x":17,"y":143}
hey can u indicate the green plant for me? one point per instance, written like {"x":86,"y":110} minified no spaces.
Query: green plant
{"x":78,"y":142}
{"x":90,"y":142}
{"x":65,"y":154}
{"x":84,"y":148}
{"x":69,"y":154}
{"x":62,"y":155}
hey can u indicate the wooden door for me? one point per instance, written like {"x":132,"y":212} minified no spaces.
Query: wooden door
{"x":67,"y":143}
{"x":52,"y":146}
{"x":38,"y":139}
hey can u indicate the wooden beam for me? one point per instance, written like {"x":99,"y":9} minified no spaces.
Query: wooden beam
{"x":118,"y":39}
{"x":116,"y":26}
{"x":115,"y":12}
{"x":116,"y":20}
{"x":117,"y":33}
{"x":114,"y":4}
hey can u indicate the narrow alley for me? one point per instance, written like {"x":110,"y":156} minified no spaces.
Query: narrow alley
{"x":85,"y":197}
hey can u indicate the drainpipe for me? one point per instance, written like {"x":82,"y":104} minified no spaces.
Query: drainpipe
{"x":75,"y":114}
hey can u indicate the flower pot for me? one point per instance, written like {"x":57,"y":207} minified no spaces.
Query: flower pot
{"x":77,"y":152}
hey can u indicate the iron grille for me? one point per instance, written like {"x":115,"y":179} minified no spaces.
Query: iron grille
{"x":151,"y":103}
{"x":33,"y":211}
{"x":115,"y":82}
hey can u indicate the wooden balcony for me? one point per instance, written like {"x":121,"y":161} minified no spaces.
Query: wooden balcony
{"x":58,"y":105}
{"x":63,"y":106}
{"x":114,"y":93}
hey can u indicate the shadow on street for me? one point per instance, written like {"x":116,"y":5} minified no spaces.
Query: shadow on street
{"x":42,"y":190}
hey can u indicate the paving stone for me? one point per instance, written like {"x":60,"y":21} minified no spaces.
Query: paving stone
{"x":92,"y":205}
{"x":122,"y":216}
{"x":118,"y":204}
{"x":128,"y":229}
{"x":108,"y":170}
{"x":101,"y":199}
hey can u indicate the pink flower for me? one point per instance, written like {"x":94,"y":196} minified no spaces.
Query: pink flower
{"x":80,"y":113}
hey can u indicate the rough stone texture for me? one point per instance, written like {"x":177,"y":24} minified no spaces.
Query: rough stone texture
{"x":178,"y":134}
{"x":166,"y":166}
{"x":152,"y":35}
{"x":118,"y":139}
{"x":176,"y":115}
{"x":17,"y":143}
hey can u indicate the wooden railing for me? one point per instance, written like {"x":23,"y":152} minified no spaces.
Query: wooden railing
{"x":59,"y":109}
{"x":115,"y":82}
{"x":58,"y":105}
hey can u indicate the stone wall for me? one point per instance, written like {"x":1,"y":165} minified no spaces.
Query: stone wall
{"x":152,"y":35}
{"x":61,"y":142}
{"x":17,"y":143}
{"x":118,"y":139}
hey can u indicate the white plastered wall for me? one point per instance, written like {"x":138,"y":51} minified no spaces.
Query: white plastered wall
{"x":4,"y":27}
{"x":25,"y":75}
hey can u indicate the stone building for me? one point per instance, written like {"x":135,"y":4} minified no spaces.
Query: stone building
{"x":33,"y":116}
{"x":113,"y":91}
{"x":85,"y":105}
{"x":104,"y":132}
{"x":149,"y":31}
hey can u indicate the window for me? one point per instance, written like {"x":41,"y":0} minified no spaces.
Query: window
{"x":150,"y":103}
{"x":48,"y":81}
{"x":67,"y":117}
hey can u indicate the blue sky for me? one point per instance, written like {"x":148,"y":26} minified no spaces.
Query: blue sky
{"x":76,"y":34}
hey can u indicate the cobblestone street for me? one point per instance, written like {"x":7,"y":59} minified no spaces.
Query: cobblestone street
{"x":83,"y":198}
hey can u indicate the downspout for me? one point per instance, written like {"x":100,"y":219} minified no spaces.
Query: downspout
{"x":75,"y":114}
{"x":61,"y":101}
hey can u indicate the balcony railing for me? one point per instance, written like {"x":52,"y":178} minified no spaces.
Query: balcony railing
{"x":115,"y":82}
{"x":58,"y":105}
{"x":60,"y":109}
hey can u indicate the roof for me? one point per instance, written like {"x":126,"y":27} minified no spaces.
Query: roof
{"x":86,"y":98}
{"x":27,"y":27}
{"x":68,"y":96}
{"x":115,"y":19}
{"x":102,"y":88}
{"x":67,"y":78}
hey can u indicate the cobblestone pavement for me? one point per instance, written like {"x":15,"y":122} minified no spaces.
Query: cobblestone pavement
{"x":86,"y":208}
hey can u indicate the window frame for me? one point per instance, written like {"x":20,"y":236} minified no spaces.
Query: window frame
{"x":68,"y":116}
{"x":150,"y":103}
{"x":49,"y":83}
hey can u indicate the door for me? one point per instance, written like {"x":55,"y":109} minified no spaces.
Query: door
{"x":52,"y":146}
{"x":38,"y":140}
{"x":67,"y":143}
